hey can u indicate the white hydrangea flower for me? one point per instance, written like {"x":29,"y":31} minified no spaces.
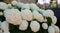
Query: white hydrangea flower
{"x":26,"y":14}
{"x":14,"y":3}
{"x":54,"y":20}
{"x":56,"y":28}
{"x":13,"y":16}
{"x":1,"y":13}
{"x":6,"y":32}
{"x":5,"y":26}
{"x":41,"y":11}
{"x":9,"y":6}
{"x":38,"y":16}
{"x":25,"y":6}
{"x":35,"y":26}
{"x":3,"y":6}
{"x":34,"y":7}
{"x":48,"y":13}
{"x":20,"y":4}
{"x":23,"y":25}
{"x":44,"y":25}
{"x":51,"y":29}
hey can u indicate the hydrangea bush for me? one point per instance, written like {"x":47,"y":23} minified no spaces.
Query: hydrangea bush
{"x":18,"y":17}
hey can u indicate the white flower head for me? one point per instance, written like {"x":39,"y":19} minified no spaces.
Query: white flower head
{"x":35,"y":26}
{"x":3,"y":6}
{"x":54,"y":20}
{"x":44,"y":25}
{"x":5,"y":26}
{"x":41,"y":11}
{"x":9,"y":6}
{"x":13,"y":16}
{"x":26,"y":14}
{"x":48,"y":13}
{"x":34,"y":7}
{"x":51,"y":29}
{"x":56,"y":28}
{"x":38,"y":16}
{"x":25,"y":6}
{"x":20,"y":4}
{"x":14,"y":3}
{"x":23,"y":25}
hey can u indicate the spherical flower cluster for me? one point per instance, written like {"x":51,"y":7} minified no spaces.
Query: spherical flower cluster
{"x":25,"y":6}
{"x":48,"y":13}
{"x":26,"y":14}
{"x":14,"y":3}
{"x":9,"y":6}
{"x":23,"y":25}
{"x":13,"y":16}
{"x":38,"y":16}
{"x":44,"y":25}
{"x":56,"y":28}
{"x":35,"y":26}
{"x":3,"y":6}
{"x":5,"y":26}
{"x":51,"y":29}
{"x":34,"y":7}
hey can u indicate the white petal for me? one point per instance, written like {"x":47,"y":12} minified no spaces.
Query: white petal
{"x":13,"y":16}
{"x":38,"y":16}
{"x":34,"y":7}
{"x":44,"y":25}
{"x":3,"y":6}
{"x":14,"y":3}
{"x":51,"y":29}
{"x":26,"y":14}
{"x":35,"y":26}
{"x":5,"y":26}
{"x":23,"y":25}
